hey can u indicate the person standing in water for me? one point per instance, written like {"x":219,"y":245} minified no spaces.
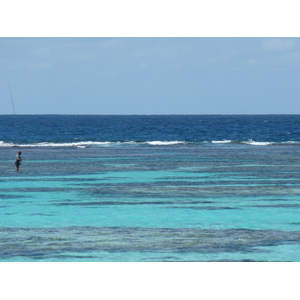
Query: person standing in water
{"x":18,"y":160}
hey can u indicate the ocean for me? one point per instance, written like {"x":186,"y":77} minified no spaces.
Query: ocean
{"x":161,"y":188}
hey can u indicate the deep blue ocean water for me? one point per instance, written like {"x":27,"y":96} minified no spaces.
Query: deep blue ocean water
{"x":150,"y":188}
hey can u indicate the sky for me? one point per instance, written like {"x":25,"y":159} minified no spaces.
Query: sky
{"x":150,"y":75}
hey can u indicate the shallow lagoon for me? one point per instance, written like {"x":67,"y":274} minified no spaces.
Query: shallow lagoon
{"x":132,"y":201}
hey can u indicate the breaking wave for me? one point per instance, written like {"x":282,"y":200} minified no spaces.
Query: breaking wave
{"x":249,"y":142}
{"x":254,"y":143}
{"x":222,"y":142}
{"x":86,"y":144}
{"x":164,"y":143}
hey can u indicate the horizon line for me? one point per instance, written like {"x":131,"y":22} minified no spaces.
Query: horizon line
{"x":212,"y":114}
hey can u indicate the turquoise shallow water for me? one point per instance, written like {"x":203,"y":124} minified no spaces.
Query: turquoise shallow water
{"x":183,"y":202}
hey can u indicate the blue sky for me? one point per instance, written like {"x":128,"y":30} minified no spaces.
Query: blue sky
{"x":196,"y":75}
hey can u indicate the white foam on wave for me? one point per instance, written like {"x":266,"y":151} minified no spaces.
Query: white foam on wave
{"x":2,"y":144}
{"x":164,"y":143}
{"x":88,"y":144}
{"x":254,"y":143}
{"x":222,"y":142}
{"x":291,"y":142}
{"x":52,"y":144}
{"x":78,"y":144}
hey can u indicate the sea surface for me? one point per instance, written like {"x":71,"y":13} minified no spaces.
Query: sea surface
{"x":99,"y":188}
